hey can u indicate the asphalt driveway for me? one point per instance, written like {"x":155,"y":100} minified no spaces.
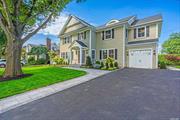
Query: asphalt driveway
{"x":128,"y":94}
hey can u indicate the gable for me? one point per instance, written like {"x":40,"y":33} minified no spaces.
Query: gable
{"x":73,"y":23}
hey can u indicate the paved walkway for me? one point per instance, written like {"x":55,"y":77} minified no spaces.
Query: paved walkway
{"x":127,"y":94}
{"x":173,"y":68}
{"x":24,"y":98}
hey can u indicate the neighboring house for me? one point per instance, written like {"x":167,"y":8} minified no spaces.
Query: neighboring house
{"x":130,"y":41}
{"x":28,"y":48}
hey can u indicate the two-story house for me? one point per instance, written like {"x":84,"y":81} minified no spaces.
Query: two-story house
{"x":132,"y":42}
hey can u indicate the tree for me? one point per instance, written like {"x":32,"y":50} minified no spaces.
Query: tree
{"x":2,"y":43}
{"x":38,"y":50}
{"x":20,"y":20}
{"x":172,"y":45}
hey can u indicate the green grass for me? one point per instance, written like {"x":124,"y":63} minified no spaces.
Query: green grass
{"x":42,"y":76}
{"x":178,"y":67}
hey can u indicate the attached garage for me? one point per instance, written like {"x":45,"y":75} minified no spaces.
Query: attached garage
{"x":141,"y":58}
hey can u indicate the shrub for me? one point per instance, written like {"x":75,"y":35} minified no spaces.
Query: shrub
{"x":102,"y":64}
{"x":98,"y":62}
{"x":88,"y":61}
{"x":169,"y":59}
{"x":116,"y":64}
{"x":58,"y":60}
{"x":109,"y":60}
{"x":41,"y":61}
{"x":162,"y":65}
{"x":111,"y":65}
{"x":31,"y":61}
{"x":107,"y":65}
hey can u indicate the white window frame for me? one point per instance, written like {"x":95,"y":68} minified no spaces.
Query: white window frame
{"x":105,"y":34}
{"x":81,"y":35}
{"x":102,"y":58}
{"x":137,"y":32}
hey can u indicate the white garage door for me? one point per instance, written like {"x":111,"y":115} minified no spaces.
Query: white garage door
{"x":141,"y":58}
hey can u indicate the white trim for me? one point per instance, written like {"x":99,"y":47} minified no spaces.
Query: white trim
{"x":137,"y":35}
{"x":124,"y":40}
{"x":142,"y":49}
{"x":159,"y":20}
{"x":142,"y":43}
{"x":90,"y":43}
{"x":157,"y":31}
{"x":157,"y":55}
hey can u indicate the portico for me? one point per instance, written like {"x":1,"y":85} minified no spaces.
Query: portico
{"x":78,"y":52}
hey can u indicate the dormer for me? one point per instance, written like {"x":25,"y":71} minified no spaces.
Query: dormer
{"x":112,"y":22}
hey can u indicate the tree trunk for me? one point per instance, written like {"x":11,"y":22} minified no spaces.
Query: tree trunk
{"x":13,"y":59}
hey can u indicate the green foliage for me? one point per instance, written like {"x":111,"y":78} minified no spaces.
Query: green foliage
{"x":98,"y":62}
{"x":2,"y":43}
{"x":58,"y":60}
{"x":107,"y":65}
{"x":38,"y":50}
{"x":111,"y":65}
{"x":172,"y":45}
{"x":88,"y":61}
{"x":31,"y":61}
{"x":162,"y":65}
{"x":102,"y":64}
{"x":41,"y":61}
{"x":169,"y":59}
{"x":109,"y":60}
{"x":116,"y":64}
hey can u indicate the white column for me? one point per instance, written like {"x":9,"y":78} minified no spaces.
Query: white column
{"x":80,"y":55}
{"x":70,"y":57}
{"x":124,"y":44}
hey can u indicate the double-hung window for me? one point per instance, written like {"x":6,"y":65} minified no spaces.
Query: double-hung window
{"x":141,"y":32}
{"x":82,"y":35}
{"x":108,"y":34}
{"x":104,"y":55}
{"x":67,"y":39}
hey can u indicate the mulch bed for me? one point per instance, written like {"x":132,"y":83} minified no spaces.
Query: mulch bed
{"x":2,"y":79}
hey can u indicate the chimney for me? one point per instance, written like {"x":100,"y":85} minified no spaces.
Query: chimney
{"x":48,"y":43}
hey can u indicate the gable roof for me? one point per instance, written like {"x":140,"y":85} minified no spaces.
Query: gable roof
{"x":120,"y":21}
{"x":82,"y":44}
{"x":75,"y":17}
{"x":157,"y":17}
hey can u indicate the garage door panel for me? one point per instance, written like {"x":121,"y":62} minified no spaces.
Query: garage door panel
{"x":141,"y":58}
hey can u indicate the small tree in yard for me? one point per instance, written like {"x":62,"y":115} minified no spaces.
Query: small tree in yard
{"x":20,"y":20}
{"x":172,"y":45}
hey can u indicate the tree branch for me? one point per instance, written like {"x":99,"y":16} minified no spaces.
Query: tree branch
{"x":37,"y":29}
{"x":9,"y":21}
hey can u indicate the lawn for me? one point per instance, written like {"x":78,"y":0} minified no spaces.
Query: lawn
{"x":178,"y":67}
{"x":42,"y":76}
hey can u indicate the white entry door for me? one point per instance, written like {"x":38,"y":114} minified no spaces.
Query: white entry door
{"x":141,"y":58}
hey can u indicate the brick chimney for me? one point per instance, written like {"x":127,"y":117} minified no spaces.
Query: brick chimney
{"x":48,"y":43}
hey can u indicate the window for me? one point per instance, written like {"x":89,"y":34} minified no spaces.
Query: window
{"x":104,"y":54}
{"x":111,"y":53}
{"x":63,"y":55}
{"x":93,"y":54}
{"x":141,"y":32}
{"x":108,"y":34}
{"x":147,"y":31}
{"x":67,"y":40}
{"x":82,"y":36}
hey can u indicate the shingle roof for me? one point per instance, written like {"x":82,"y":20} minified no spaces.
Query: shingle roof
{"x":81,"y":43}
{"x":148,"y":19}
{"x":120,"y":21}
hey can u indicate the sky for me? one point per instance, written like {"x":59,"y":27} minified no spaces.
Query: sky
{"x":98,"y":12}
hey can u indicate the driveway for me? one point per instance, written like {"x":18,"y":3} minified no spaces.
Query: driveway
{"x":128,"y":94}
